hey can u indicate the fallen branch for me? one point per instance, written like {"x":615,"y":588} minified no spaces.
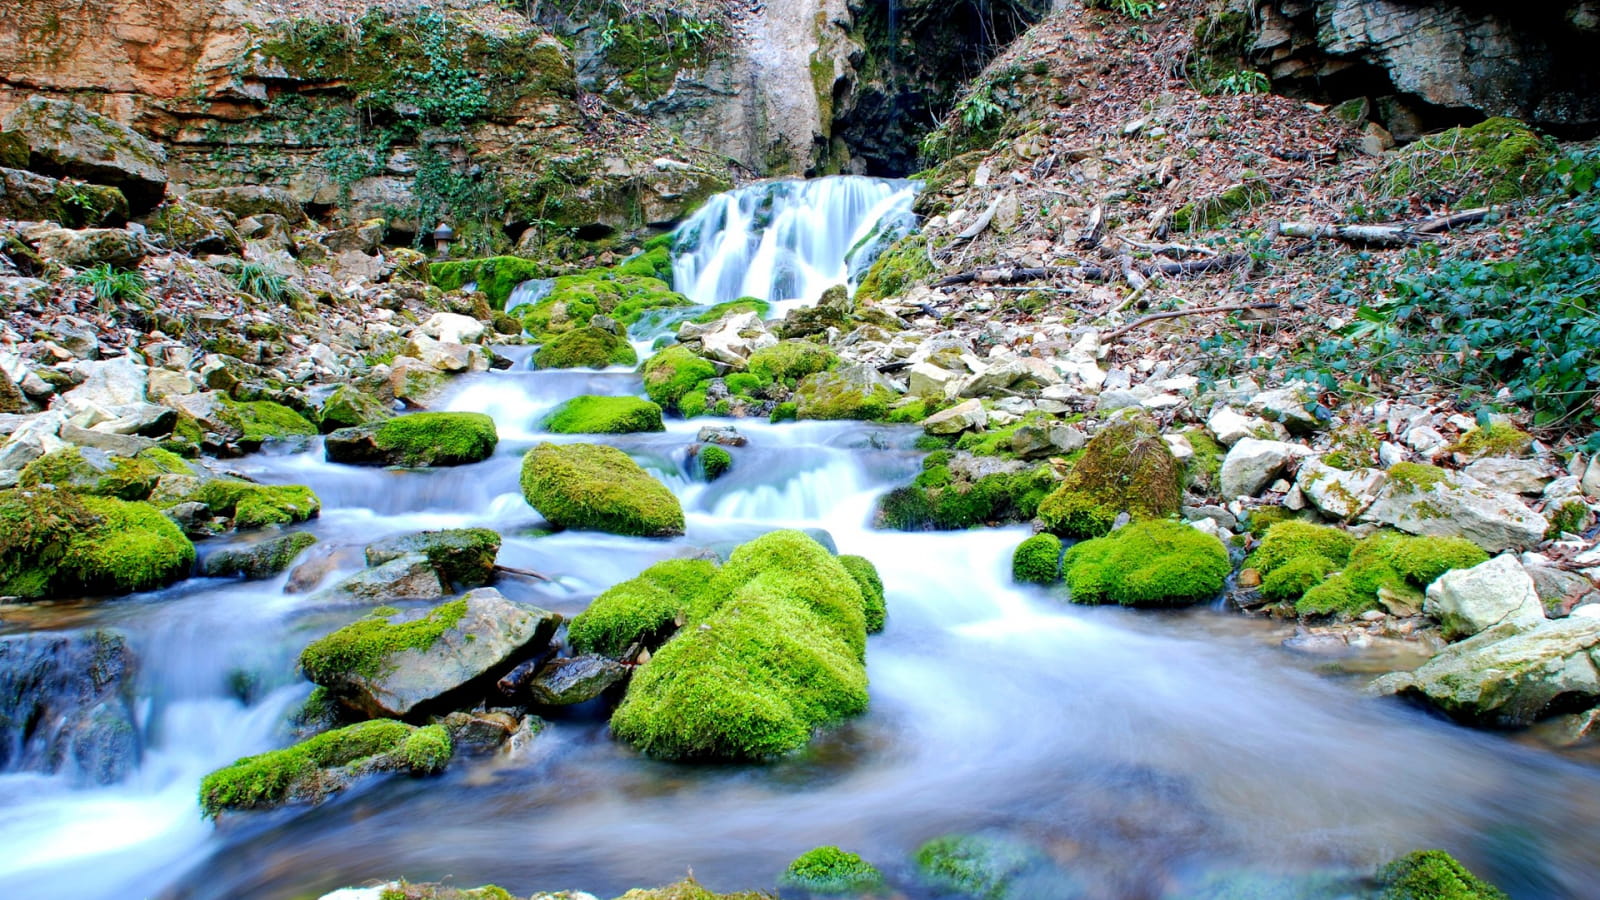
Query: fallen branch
{"x":1455,"y":220}
{"x":525,"y":573}
{"x":1094,"y":231}
{"x":982,"y":222}
{"x":1368,"y":235}
{"x":1018,"y":274}
{"x":1115,"y":333}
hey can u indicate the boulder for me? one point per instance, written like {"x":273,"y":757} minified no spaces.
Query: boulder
{"x":852,"y":391}
{"x":1125,"y":468}
{"x":261,"y":559}
{"x":967,"y":416}
{"x":1288,"y":406}
{"x":390,"y":666}
{"x":66,"y":705}
{"x":347,"y":407}
{"x":590,"y":414}
{"x":1510,"y":675}
{"x":252,"y":200}
{"x":108,"y":383}
{"x":462,"y":556}
{"x":1252,"y":464}
{"x":447,"y":357}
{"x":66,"y":140}
{"x":453,"y":328}
{"x":415,"y":440}
{"x":362,"y":237}
{"x":409,"y":577}
{"x":593,"y":486}
{"x":1339,"y":493}
{"x":1511,"y":476}
{"x":928,"y":380}
{"x":1427,"y":500}
{"x":31,"y":197}
{"x":92,"y":247}
{"x":1467,"y":601}
{"x":191,"y":228}
{"x":563,"y":682}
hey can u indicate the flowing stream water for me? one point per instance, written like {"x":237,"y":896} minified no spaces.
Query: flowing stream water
{"x":1135,"y":749}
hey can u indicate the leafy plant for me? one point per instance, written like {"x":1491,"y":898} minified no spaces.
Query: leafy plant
{"x":1243,"y":81}
{"x":978,"y":111}
{"x":111,"y":286}
{"x":262,"y":283}
{"x":1138,"y":10}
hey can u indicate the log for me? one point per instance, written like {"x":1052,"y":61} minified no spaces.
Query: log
{"x":1019,"y":274}
{"x":1177,"y":313}
{"x":515,"y":682}
{"x":1367,"y":235}
{"x":525,"y":573}
{"x":1455,"y":220}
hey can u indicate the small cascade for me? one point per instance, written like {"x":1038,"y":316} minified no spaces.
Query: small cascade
{"x":530,"y":292}
{"x":788,"y":241}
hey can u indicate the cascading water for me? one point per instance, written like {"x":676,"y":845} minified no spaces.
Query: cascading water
{"x":1139,"y":752}
{"x":788,"y":241}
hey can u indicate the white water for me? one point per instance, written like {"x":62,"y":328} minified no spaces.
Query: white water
{"x":788,"y":241}
{"x":1139,"y":749}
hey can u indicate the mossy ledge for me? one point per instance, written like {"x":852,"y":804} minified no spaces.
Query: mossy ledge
{"x":598,"y":488}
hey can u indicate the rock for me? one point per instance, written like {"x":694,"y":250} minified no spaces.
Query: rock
{"x":251,"y":200}
{"x":596,"y":487}
{"x":966,"y":416}
{"x":1511,"y":476}
{"x":452,"y":328}
{"x":1252,"y":464}
{"x":190,"y":228}
{"x":1427,"y":500}
{"x":1287,"y":406}
{"x":1467,"y":601}
{"x":446,"y":357}
{"x":28,"y":196}
{"x":92,"y":247}
{"x":109,"y":442}
{"x":353,"y":265}
{"x":1038,"y":441}
{"x":563,"y":682}
{"x":418,"y":439}
{"x":461,"y":556}
{"x":347,"y":407}
{"x":928,"y":380}
{"x":66,"y":705}
{"x":108,"y":383}
{"x":261,"y":559}
{"x":392,"y":666}
{"x":1228,"y":426}
{"x":1509,"y":677}
{"x":852,"y":391}
{"x":1338,"y":493}
{"x":66,"y":140}
{"x":1125,"y":469}
{"x":410,"y":577}
{"x":992,"y":379}
{"x":364,"y":237}
{"x":721,"y":435}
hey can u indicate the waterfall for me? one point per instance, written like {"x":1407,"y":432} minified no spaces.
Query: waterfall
{"x":788,"y":241}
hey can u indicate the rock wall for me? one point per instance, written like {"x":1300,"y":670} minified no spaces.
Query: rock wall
{"x":1529,"y":61}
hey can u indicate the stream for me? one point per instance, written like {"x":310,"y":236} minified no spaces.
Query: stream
{"x":1139,"y":750}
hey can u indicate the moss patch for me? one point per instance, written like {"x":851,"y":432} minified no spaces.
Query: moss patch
{"x":871,"y":585}
{"x":252,"y":505}
{"x":1494,"y":439}
{"x":674,"y":372}
{"x":1037,"y":560}
{"x":438,"y":438}
{"x":645,"y":610}
{"x":585,"y":348}
{"x":1495,"y":161}
{"x":1127,"y":467}
{"x":1147,"y":564}
{"x":364,"y":647}
{"x":1433,"y":875}
{"x":832,"y":395}
{"x":829,"y":870}
{"x":54,"y":544}
{"x":714,"y":462}
{"x":971,"y":865}
{"x":68,"y":469}
{"x":790,"y":361}
{"x":495,"y":276}
{"x":260,"y":421}
{"x":605,"y":415}
{"x":594,"y":487}
{"x":901,"y":266}
{"x":1399,"y":564}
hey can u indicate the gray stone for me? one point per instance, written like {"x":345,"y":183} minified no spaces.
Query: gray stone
{"x":108,"y":383}
{"x":1253,"y":464}
{"x":66,"y":705}
{"x":1510,"y":675}
{"x":1287,"y":406}
{"x":64,"y":139}
{"x":1338,"y":493}
{"x":1467,"y":601}
{"x":409,"y":577}
{"x":1229,"y":427}
{"x":492,"y":634}
{"x":563,"y":682}
{"x":1513,"y":476}
{"x":961,"y":417}
{"x":723,"y":435}
{"x":252,"y":200}
{"x":1453,"y":507}
{"x":260,"y":559}
{"x":92,"y":247}
{"x":929,"y":380}
{"x":107,"y":441}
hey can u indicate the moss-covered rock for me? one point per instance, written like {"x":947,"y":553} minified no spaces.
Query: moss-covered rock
{"x":463,"y":557}
{"x":871,"y":584}
{"x":1156,"y":563}
{"x":418,"y":439}
{"x":1126,"y":467}
{"x":53,"y":543}
{"x":790,"y":361}
{"x":252,"y":505}
{"x":829,"y":870}
{"x":585,"y":348}
{"x":311,"y":770}
{"x":977,"y":866}
{"x":1037,"y":560}
{"x":896,"y":269}
{"x":839,"y":394}
{"x":1290,"y":540}
{"x":1494,"y":439}
{"x":674,"y":372}
{"x":643,"y":610}
{"x":88,"y":471}
{"x":944,"y":497}
{"x":773,"y":651}
{"x":259,"y":421}
{"x":714,"y":462}
{"x":594,"y":487}
{"x":261,"y":559}
{"x":495,"y":276}
{"x":1432,"y":875}
{"x":349,"y":406}
{"x":1495,"y":161}
{"x":622,"y":294}
{"x":605,"y":415}
{"x":1397,"y":566}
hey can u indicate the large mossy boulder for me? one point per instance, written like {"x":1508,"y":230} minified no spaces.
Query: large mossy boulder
{"x":462,"y":556}
{"x":85,"y":470}
{"x":790,"y":361}
{"x":585,"y":348}
{"x":395,"y":664}
{"x":605,"y":415}
{"x":1126,"y":467}
{"x":193,"y":229}
{"x":847,"y":392}
{"x":1384,"y":569}
{"x":598,"y":488}
{"x":1432,"y":875}
{"x":314,"y":769}
{"x":1157,"y":563}
{"x":249,"y":505}
{"x":644,"y":610}
{"x":53,"y":544}
{"x":772,"y":648}
{"x":416,"y":440}
{"x":67,"y":140}
{"x":673,"y":373}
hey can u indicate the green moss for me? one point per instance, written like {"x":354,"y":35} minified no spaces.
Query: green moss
{"x":1567,"y":517}
{"x":1204,"y":469}
{"x":364,"y":647}
{"x":674,"y":372}
{"x":252,"y":505}
{"x":1402,"y":565}
{"x":438,"y":438}
{"x":495,"y":276}
{"x":1147,"y":564}
{"x":1037,"y":560}
{"x":1213,"y":210}
{"x":784,"y":412}
{"x":693,"y":404}
{"x":773,"y":651}
{"x":870,"y":582}
{"x":590,"y":414}
{"x":643,"y":610}
{"x":301,"y":772}
{"x":594,"y":487}
{"x":790,"y":361}
{"x":1495,"y":161}
{"x":461,"y":556}
{"x":1354,"y":447}
{"x":67,"y":469}
{"x":901,"y":266}
{"x":264,"y":420}
{"x":575,"y":299}
{"x":971,"y":865}
{"x":1292,"y":540}
{"x":998,"y":441}
{"x":1126,"y":467}
{"x":55,"y":543}
{"x":733,"y":307}
{"x":37,"y":529}
{"x":830,"y":395}
{"x":714,"y":461}
{"x":1494,"y":439}
{"x":688,"y":889}
{"x":348,"y":407}
{"x":829,"y":870}
{"x":585,"y":348}
{"x":936,"y":501}
{"x":1432,"y":875}
{"x":1417,"y":477}
{"x":1290,"y":581}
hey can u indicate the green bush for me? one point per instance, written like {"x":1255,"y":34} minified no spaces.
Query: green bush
{"x":1157,"y":563}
